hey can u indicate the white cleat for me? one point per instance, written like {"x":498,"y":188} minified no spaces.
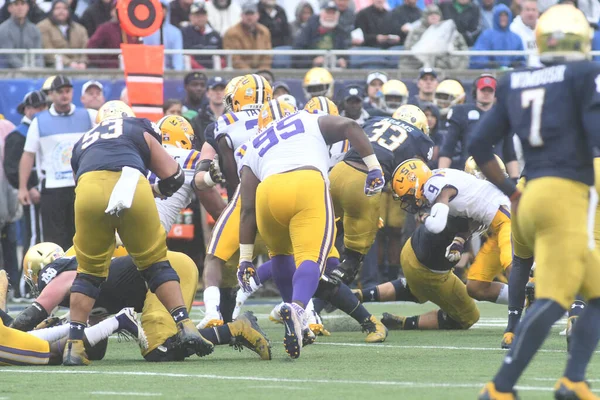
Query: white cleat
{"x":131,"y":327}
{"x":240,"y":299}
{"x":294,"y":320}
{"x":211,"y":320}
{"x":275,"y":315}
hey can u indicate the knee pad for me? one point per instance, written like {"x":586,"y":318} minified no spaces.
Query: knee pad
{"x":159,"y":273}
{"x":88,"y":285}
{"x":168,"y":351}
{"x":446,"y":322}
{"x":328,"y":287}
{"x":403,"y":292}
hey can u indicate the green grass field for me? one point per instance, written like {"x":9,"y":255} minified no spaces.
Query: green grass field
{"x":409,"y":365}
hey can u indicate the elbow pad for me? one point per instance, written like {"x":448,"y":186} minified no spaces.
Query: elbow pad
{"x":30,"y":317}
{"x":437,"y":220}
{"x":167,"y":187}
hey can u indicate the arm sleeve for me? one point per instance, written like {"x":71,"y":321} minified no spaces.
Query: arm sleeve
{"x":453,"y":135}
{"x":591,"y":108}
{"x":508,"y":150}
{"x":209,"y":135}
{"x":32,"y":142}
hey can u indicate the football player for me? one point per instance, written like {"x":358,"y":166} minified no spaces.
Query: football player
{"x":448,"y":93}
{"x":285,"y":196}
{"x":555,"y":111}
{"x":395,"y":94}
{"x":232,"y":130}
{"x":394,"y":140}
{"x":318,"y":82}
{"x":110,"y":163}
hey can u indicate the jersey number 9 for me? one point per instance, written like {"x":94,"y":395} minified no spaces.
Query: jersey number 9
{"x":391,"y":141}
{"x":112,"y":128}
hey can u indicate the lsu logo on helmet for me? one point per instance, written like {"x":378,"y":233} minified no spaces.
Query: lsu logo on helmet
{"x":408,"y":181}
{"x":273,"y":111}
{"x":321,"y":104}
{"x":250,"y":93}
{"x":228,"y":94}
{"x":176,"y":131}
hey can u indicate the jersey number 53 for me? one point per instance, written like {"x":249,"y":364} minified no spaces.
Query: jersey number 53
{"x":108,"y":129}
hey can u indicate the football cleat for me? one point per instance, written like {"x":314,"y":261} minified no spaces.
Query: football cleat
{"x":308,"y":337}
{"x":293,"y":320}
{"x":566,"y":389}
{"x":489,"y":392}
{"x":315,"y":323}
{"x":131,"y":327}
{"x":507,"y":340}
{"x":376,"y":331}
{"x":246,"y":332}
{"x":275,"y":315}
{"x":74,"y":353}
{"x":393,"y":322}
{"x":191,"y":340}
{"x":3,"y":289}
{"x":210,"y":320}
{"x":240,"y":299}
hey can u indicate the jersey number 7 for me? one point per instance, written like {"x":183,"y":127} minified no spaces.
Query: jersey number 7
{"x":534,"y":98}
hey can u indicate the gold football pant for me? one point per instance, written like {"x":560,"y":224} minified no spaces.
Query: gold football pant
{"x":139,"y":226}
{"x":441,"y":288}
{"x":359,"y":213}
{"x":21,"y":348}
{"x":519,"y":248}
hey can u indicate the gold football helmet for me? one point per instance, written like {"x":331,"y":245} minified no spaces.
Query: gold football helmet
{"x":395,"y":94}
{"x":408,"y":181}
{"x":472,"y":168}
{"x":563,"y":33}
{"x":228,"y":93}
{"x":273,"y":111}
{"x":323,"y":104}
{"x":36,"y":258}
{"x":250,"y":93}
{"x":114,"y":109}
{"x":448,"y":93}
{"x":414,"y":116}
{"x":318,"y":82}
{"x":176,"y":131}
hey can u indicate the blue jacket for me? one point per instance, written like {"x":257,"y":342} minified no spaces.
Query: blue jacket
{"x":596,"y":44}
{"x":498,"y":39}
{"x":171,"y":39}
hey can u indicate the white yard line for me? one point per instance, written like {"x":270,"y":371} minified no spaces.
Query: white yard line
{"x":430,"y":347}
{"x":126,"y":394}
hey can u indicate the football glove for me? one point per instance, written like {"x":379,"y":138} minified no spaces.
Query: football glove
{"x":215,"y":171}
{"x":455,"y":250}
{"x":247,"y":276}
{"x":375,"y":182}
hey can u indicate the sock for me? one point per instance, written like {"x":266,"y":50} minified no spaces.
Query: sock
{"x":519,"y":276}
{"x":265,"y":271}
{"x":370,"y":295}
{"x":577,"y":308}
{"x":212,"y":299}
{"x":530,"y":335}
{"x":76,"y":330}
{"x":101,"y":330}
{"x":503,"y":296}
{"x":346,"y":301}
{"x":411,"y":323}
{"x":217,"y":335}
{"x":318,"y":304}
{"x":51,"y":334}
{"x":283,"y":269}
{"x":305,"y":282}
{"x":179,"y":314}
{"x":6,"y":319}
{"x":584,"y":340}
{"x":227,"y":303}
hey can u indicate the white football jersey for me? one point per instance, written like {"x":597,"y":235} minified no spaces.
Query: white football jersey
{"x":169,"y":208}
{"x":294,"y":142}
{"x":336,"y":150}
{"x":237,"y":127}
{"x":476,"y":199}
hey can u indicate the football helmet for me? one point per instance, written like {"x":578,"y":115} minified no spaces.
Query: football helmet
{"x":288,"y":98}
{"x":395,"y":94}
{"x":408,"y":181}
{"x":176,"y":131}
{"x":413,"y":115}
{"x":273,"y":111}
{"x":114,"y":109}
{"x":563,"y":34}
{"x":448,"y":93}
{"x":250,"y":93}
{"x":318,"y":82}
{"x":323,"y":104}
{"x":228,"y":93}
{"x":36,"y":258}
{"x":472,"y":168}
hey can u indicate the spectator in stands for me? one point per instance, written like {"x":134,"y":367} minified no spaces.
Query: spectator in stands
{"x":524,"y":26}
{"x":280,"y":88}
{"x":437,"y":135}
{"x":222,"y":15}
{"x":51,"y":136}
{"x":373,"y":23}
{"x":248,"y":34}
{"x":486,"y":12}
{"x":347,"y":15}
{"x":303,"y":13}
{"x":403,"y":18}
{"x":199,"y":35}
{"x":437,"y":36}
{"x":194,"y":85}
{"x":35,"y":14}
{"x":267,"y":74}
{"x":352,"y":104}
{"x":212,"y":110}
{"x":465,"y":15}
{"x":97,"y":13}
{"x":173,"y":107}
{"x":427,"y":83}
{"x":590,"y":8}
{"x":92,"y":95}
{"x":59,"y":31}
{"x":179,"y":11}
{"x":322,"y":32}
{"x":109,"y":35}
{"x":273,"y":17}
{"x":375,"y":81}
{"x":170,"y":37}
{"x":499,"y":38}
{"x":18,"y":32}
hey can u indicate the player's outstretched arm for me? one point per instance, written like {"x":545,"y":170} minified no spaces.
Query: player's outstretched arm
{"x":229,"y":165}
{"x":248,"y":227}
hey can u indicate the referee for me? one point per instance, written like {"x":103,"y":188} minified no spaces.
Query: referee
{"x":50,"y":139}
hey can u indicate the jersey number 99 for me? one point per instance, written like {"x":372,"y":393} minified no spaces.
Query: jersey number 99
{"x":112,"y":128}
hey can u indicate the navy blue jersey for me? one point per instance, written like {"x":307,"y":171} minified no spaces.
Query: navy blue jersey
{"x":114,"y":144}
{"x":430,"y":248}
{"x":124,"y":286}
{"x":555,"y":111}
{"x":393,"y":142}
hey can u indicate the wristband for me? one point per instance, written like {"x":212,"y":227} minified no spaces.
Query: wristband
{"x":208,"y":180}
{"x":246,"y":252}
{"x":371,"y":162}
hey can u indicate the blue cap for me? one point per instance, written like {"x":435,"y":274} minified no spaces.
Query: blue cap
{"x":216,"y":81}
{"x":352,"y":91}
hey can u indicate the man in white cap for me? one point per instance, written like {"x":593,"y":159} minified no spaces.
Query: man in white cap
{"x":92,"y":96}
{"x":375,"y":81}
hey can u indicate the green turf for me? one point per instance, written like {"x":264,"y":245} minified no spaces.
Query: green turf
{"x":409,"y":365}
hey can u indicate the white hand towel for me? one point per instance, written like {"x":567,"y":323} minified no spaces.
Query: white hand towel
{"x":123,"y":192}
